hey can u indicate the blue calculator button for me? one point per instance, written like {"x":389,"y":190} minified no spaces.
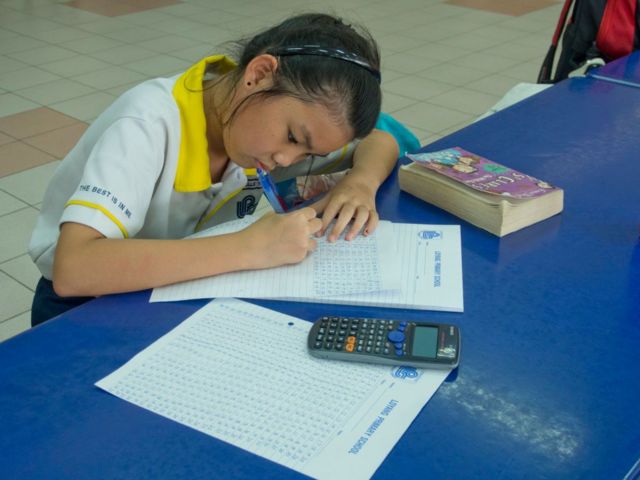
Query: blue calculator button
{"x":399,"y":352}
{"x":396,"y":336}
{"x":401,"y":328}
{"x":403,"y":324}
{"x":398,"y":346}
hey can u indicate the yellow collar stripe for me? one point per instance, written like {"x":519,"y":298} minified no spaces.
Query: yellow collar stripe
{"x":193,"y":173}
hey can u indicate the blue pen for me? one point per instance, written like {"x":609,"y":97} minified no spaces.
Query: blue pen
{"x":269,"y":189}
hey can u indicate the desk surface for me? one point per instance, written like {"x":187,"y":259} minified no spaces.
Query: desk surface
{"x":548,"y":385}
{"x":625,"y":70}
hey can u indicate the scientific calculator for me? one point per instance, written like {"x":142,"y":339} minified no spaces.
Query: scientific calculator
{"x":384,"y":341}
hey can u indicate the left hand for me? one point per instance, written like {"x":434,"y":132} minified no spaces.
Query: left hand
{"x":351,"y":199}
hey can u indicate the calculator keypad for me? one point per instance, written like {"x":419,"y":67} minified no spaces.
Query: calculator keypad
{"x":361,"y":336}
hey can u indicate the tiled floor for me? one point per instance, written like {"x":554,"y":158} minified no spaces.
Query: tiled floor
{"x":63,"y":62}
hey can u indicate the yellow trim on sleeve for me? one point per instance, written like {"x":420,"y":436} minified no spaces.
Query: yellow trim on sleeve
{"x":193,"y":172}
{"x":100,"y":208}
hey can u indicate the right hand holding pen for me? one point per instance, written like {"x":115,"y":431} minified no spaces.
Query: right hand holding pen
{"x":282,"y":239}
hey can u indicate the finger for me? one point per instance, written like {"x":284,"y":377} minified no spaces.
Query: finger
{"x":320,"y":205}
{"x":312,"y":245}
{"x":345,"y":216}
{"x":315,"y":225}
{"x":330,"y":213}
{"x":307,"y":212}
{"x":362,"y":214}
{"x":372,"y":224}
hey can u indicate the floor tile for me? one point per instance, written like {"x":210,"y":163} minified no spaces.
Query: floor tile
{"x":135,"y":34}
{"x":10,"y":65}
{"x":416,"y":87}
{"x":5,"y":138}
{"x":58,"y":142}
{"x":55,"y":91}
{"x":406,"y":63}
{"x":43,"y":54}
{"x":123,"y":54}
{"x":16,"y":228}
{"x":20,"y":43}
{"x":392,"y":102}
{"x":169,"y":43}
{"x":114,"y":8}
{"x":29,"y":185}
{"x":9,"y":203}
{"x":465,"y":100}
{"x":452,"y":74}
{"x":507,"y":7}
{"x":494,"y":84}
{"x":91,"y":45}
{"x":72,"y":66}
{"x":33,"y":24}
{"x":13,"y":326}
{"x":433,"y":118}
{"x":486,"y":62}
{"x":23,"y":270}
{"x":11,"y":104}
{"x":60,"y":35}
{"x":17,"y":157}
{"x":26,"y":77}
{"x":34,"y":122}
{"x":110,"y":77}
{"x":85,"y":108}
{"x":158,"y":65}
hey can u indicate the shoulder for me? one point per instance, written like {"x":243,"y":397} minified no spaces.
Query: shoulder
{"x":150,"y":100}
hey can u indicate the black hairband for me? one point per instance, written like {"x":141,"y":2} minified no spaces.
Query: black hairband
{"x":326,"y":52}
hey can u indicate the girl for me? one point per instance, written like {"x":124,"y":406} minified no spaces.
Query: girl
{"x":175,"y":155}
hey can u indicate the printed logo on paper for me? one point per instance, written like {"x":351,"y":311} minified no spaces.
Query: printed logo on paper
{"x":430,"y":234}
{"x":406,"y":373}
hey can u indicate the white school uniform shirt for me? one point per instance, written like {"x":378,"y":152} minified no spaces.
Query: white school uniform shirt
{"x":141,"y":170}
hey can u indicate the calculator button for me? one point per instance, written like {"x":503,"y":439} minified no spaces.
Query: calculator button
{"x":351,"y":340}
{"x":386,"y":351}
{"x":398,"y":346}
{"x":338,"y":346}
{"x":349,"y":347}
{"x":318,"y":345}
{"x":396,"y":336}
{"x":399,"y":352}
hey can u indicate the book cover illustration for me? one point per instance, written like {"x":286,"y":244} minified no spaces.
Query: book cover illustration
{"x":481,"y":174}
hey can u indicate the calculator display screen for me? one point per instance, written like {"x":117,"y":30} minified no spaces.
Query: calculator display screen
{"x":425,"y":342}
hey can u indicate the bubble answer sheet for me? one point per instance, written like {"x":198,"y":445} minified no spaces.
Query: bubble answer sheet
{"x":326,"y":419}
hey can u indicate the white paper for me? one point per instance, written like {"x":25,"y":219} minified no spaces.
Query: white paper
{"x":357,"y":266}
{"x":241,"y":373}
{"x":426,"y":261}
{"x":430,"y":261}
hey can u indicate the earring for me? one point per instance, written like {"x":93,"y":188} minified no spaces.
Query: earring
{"x":248,"y":84}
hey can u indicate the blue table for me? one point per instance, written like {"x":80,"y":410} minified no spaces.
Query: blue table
{"x":624,"y":71}
{"x":549,"y":384}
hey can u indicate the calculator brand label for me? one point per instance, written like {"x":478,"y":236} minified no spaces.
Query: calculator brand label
{"x":430,"y":234}
{"x":405,"y":373}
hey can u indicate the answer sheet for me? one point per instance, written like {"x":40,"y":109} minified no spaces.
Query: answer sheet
{"x":358,"y":266}
{"x":326,"y":419}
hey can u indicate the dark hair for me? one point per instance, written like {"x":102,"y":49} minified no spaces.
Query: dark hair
{"x":346,"y":88}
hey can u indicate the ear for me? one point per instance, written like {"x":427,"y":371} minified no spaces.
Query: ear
{"x":259,"y":72}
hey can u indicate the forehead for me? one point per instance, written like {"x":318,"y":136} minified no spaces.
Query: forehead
{"x":327,"y":130}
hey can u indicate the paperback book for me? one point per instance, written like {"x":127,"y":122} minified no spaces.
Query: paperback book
{"x":491,"y":196}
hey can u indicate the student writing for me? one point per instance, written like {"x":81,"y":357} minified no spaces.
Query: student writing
{"x":174,"y":155}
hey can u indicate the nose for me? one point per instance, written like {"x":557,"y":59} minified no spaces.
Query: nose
{"x":284,"y":158}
